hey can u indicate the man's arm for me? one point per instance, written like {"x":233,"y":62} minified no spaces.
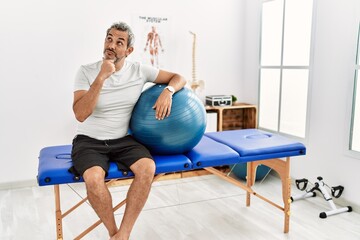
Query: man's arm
{"x":164,"y":101}
{"x":162,"y":49}
{"x":85,"y":100}
{"x":147,"y":41}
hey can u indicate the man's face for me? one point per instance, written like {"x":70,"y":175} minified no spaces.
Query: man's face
{"x":115,"y":46}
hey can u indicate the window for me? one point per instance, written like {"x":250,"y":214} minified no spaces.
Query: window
{"x":355,"y":126}
{"x":284,"y":67}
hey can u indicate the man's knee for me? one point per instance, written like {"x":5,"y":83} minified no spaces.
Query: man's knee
{"x":94,"y":175}
{"x":144,"y":167}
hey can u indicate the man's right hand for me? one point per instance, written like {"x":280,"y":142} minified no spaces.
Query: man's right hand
{"x":107,"y":68}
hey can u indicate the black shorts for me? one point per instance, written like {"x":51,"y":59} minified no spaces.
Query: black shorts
{"x":88,"y":152}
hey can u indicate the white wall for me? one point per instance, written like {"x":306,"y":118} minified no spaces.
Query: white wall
{"x":331,"y":88}
{"x":335,"y":43}
{"x":43,"y":42}
{"x":251,"y":57}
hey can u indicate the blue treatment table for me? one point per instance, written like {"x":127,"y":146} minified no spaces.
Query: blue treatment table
{"x":215,"y":149}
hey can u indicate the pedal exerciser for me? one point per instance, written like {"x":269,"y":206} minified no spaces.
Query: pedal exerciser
{"x":320,"y":186}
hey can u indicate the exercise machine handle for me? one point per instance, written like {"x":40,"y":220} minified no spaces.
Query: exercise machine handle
{"x":301,"y":184}
{"x":337,"y":191}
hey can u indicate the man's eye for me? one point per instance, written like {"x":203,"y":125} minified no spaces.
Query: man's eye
{"x":120,"y":43}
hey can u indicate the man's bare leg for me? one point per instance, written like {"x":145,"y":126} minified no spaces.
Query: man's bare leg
{"x":151,"y":56}
{"x":144,"y":170}
{"x":100,"y":197}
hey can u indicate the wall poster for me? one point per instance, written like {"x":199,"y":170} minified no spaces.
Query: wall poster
{"x":151,"y":40}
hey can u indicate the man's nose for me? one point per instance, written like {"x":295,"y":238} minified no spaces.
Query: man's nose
{"x":112,"y":45}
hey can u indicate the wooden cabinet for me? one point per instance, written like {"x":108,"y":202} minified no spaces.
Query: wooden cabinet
{"x":237,"y":116}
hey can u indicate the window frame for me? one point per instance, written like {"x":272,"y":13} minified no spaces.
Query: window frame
{"x":281,"y":67}
{"x":355,"y":98}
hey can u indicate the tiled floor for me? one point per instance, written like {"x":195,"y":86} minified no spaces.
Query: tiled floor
{"x":201,"y":208}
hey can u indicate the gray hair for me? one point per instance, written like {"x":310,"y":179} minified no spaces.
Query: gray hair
{"x":121,"y":26}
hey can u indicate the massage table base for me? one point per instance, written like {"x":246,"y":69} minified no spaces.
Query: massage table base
{"x":282,"y":167}
{"x":217,"y":149}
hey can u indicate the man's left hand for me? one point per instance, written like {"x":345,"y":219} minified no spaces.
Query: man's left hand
{"x":163,"y":104}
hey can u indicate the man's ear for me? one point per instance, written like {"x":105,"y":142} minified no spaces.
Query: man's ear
{"x":129,"y":51}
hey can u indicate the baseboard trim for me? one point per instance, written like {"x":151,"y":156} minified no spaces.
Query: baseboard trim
{"x":18,"y":184}
{"x":342,"y":202}
{"x":33,"y":183}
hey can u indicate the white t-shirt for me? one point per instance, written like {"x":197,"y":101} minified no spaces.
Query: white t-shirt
{"x":111,"y":116}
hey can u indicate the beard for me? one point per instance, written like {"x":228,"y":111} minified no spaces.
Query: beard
{"x":109,"y":56}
